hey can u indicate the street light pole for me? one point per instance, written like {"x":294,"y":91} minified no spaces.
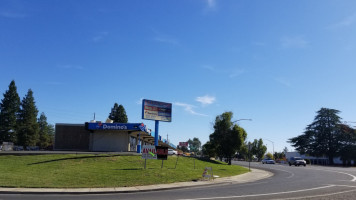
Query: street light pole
{"x":272,"y":147}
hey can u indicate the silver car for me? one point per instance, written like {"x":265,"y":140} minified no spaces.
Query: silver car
{"x":268,"y":161}
{"x":297,"y":161}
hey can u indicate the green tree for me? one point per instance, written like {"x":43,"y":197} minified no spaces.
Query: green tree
{"x":194,"y":145}
{"x":258,"y":149}
{"x":208,"y":149}
{"x":28,"y":134}
{"x":279,"y":155}
{"x":118,"y":114}
{"x":9,"y":110}
{"x":183,"y":148}
{"x":44,"y":132}
{"x":348,"y":149}
{"x":227,"y":137}
{"x":285,"y":151}
{"x":244,"y":152}
{"x":322,"y":137}
{"x":269,"y":155}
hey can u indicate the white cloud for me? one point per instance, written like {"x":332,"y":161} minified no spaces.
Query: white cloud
{"x":347,"y":21}
{"x":294,"y":42}
{"x":206,"y":100}
{"x":189,"y":108}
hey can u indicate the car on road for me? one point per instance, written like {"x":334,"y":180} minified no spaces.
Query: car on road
{"x":268,"y":161}
{"x":172,"y":152}
{"x":297,"y":161}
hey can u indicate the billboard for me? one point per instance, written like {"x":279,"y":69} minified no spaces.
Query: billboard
{"x":155,"y":110}
{"x":183,"y":144}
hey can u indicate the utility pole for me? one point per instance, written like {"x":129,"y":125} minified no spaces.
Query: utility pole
{"x":272,"y":147}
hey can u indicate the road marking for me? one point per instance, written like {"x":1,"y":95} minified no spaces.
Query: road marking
{"x":267,"y":194}
{"x":351,"y":186}
{"x":292,"y":174}
{"x":320,"y":195}
{"x":353,"y":177}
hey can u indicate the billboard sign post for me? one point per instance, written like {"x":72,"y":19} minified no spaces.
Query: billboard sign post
{"x":157,"y":111}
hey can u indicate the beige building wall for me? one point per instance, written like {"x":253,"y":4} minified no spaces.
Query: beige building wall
{"x":109,"y":141}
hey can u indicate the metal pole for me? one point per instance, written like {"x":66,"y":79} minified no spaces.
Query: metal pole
{"x":249,"y":160}
{"x":272,"y":148}
{"x":156,"y":132}
{"x":176,"y":162}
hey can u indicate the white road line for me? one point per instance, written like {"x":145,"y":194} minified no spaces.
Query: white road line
{"x":256,"y":195}
{"x":320,"y":195}
{"x":351,"y":186}
{"x":353,"y":177}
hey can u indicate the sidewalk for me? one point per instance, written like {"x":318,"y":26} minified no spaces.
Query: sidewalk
{"x":254,"y":175}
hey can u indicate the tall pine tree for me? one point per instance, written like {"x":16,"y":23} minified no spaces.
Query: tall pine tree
{"x":9,"y":109}
{"x":28,"y":134}
{"x":44,"y":135}
{"x":118,"y":114}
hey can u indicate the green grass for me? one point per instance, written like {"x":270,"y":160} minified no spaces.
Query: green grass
{"x":81,"y":171}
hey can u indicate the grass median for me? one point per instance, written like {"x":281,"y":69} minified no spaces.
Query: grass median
{"x":88,"y":171}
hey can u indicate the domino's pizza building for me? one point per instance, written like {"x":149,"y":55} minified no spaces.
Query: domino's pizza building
{"x":103,"y":137}
{"x":115,"y":137}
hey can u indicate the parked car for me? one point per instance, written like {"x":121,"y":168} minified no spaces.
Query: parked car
{"x":268,"y":161}
{"x":172,"y":152}
{"x":297,"y":161}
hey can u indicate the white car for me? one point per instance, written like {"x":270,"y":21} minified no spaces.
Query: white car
{"x":172,"y":152}
{"x":268,"y":161}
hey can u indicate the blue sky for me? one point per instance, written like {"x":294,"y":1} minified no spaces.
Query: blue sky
{"x":275,"y":62}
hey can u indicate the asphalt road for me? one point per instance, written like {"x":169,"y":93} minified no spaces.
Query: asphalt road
{"x":311,"y":182}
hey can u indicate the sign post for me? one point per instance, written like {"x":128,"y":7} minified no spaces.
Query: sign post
{"x":156,"y":132}
{"x":249,"y":155}
{"x":148,"y":152}
{"x":158,"y":111}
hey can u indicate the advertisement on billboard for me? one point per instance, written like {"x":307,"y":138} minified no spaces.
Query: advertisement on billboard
{"x":155,"y":110}
{"x":183,"y":144}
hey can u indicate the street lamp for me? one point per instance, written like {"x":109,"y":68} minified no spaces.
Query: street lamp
{"x":272,"y":146}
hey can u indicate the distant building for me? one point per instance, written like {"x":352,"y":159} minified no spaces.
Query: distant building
{"x":103,"y":137}
{"x":313,"y":160}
